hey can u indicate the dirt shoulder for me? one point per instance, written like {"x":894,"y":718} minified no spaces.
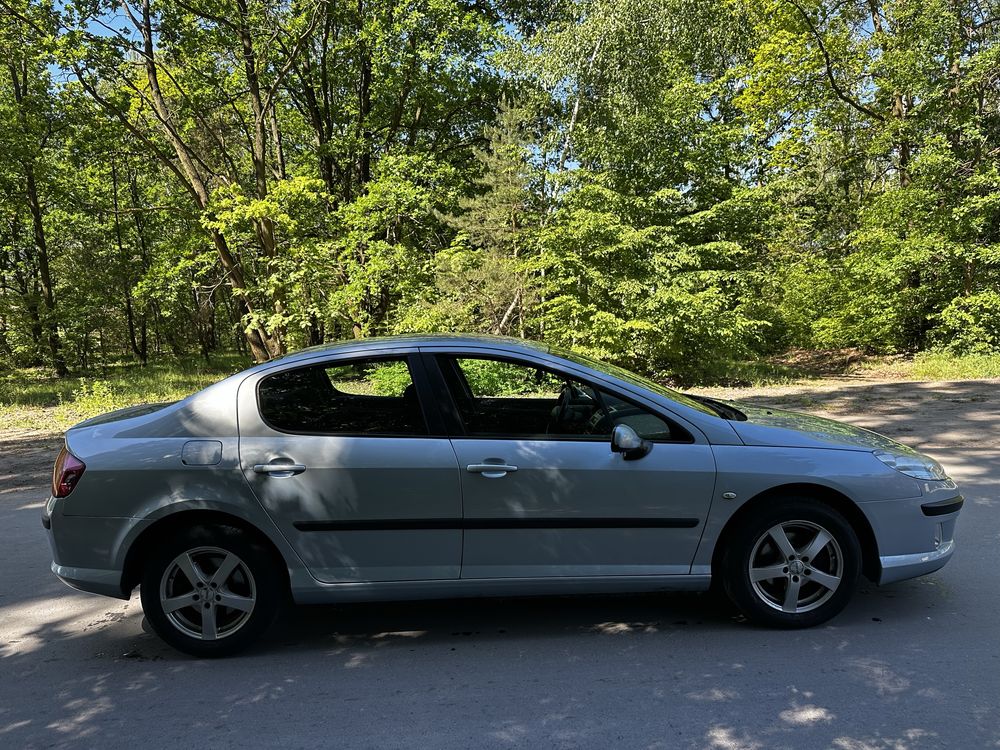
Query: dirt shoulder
{"x":924,"y":414}
{"x":26,"y":458}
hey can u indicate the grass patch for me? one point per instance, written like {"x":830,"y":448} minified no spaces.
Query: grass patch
{"x":33,"y":399}
{"x":799,"y":366}
{"x":929,"y":366}
{"x":936,"y":366}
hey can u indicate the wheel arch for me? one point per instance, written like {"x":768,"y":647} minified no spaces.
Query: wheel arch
{"x":870,"y":565}
{"x":144,"y":544}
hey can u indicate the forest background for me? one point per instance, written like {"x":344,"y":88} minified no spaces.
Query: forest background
{"x":687,"y":188}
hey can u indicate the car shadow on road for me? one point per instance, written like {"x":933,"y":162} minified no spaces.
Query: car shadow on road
{"x":318,"y":626}
{"x":450,"y":622}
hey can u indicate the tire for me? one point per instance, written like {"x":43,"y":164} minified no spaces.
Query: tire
{"x":211,"y":591}
{"x":799,"y":581}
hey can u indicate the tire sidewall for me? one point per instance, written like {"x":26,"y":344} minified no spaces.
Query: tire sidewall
{"x":262,"y":567}
{"x":736,"y":562}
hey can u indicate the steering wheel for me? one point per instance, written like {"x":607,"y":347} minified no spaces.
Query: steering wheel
{"x":567,"y":395}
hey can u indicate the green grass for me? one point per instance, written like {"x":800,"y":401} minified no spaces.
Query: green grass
{"x":931,"y":366}
{"x":949,"y":367}
{"x":33,"y":399}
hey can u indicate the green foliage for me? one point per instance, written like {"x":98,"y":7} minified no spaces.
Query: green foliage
{"x":652,"y":283}
{"x":675,"y":185}
{"x":389,"y":379}
{"x":488,"y":378}
{"x":970,"y":325}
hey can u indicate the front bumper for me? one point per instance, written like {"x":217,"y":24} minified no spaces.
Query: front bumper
{"x":900,"y":567}
{"x":915,"y":536}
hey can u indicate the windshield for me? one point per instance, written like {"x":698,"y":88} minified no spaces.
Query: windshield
{"x":631,"y":377}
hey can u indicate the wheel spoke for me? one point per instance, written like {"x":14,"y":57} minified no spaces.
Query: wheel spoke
{"x":816,"y":545}
{"x":186,"y":563}
{"x":791,"y":596}
{"x":824,"y":579}
{"x":766,"y":574}
{"x":225,"y":570}
{"x":781,"y":539}
{"x":179,"y":602}
{"x":234,"y":601}
{"x":208,"y":627}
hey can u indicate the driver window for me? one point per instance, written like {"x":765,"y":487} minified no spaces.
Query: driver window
{"x":507,"y":399}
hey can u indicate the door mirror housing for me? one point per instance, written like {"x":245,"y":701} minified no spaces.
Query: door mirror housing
{"x":627,"y":441}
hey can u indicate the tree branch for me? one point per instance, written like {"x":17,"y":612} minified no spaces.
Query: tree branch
{"x":841,"y":94}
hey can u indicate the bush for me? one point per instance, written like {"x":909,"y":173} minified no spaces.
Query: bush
{"x":969,"y":325}
{"x":389,"y":379}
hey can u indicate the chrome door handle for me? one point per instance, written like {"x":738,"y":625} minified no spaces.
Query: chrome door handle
{"x":491,"y":471}
{"x":279,"y":470}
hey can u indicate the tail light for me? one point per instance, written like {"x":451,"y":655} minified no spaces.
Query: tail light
{"x":66,"y":473}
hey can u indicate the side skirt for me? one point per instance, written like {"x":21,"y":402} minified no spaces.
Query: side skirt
{"x":325,"y":593}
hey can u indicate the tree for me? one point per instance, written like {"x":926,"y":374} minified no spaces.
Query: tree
{"x":30,"y":123}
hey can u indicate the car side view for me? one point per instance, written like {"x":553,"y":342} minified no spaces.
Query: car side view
{"x":451,"y":466}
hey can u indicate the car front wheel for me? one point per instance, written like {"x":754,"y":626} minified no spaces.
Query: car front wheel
{"x":793,"y":565}
{"x":210,"y":591}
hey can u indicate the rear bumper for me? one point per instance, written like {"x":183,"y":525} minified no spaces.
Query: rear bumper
{"x":91,"y":580}
{"x":88,"y":551}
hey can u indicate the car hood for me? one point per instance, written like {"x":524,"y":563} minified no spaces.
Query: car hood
{"x":789,"y":429}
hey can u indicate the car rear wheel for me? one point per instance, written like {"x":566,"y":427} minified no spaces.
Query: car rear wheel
{"x":792,"y":565}
{"x":211,"y":591}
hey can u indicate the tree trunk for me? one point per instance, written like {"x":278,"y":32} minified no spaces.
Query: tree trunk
{"x":364,"y":104}
{"x":45,"y":275}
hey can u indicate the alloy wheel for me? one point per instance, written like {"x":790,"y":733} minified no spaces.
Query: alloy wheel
{"x":208,"y":593}
{"x":796,"y":566}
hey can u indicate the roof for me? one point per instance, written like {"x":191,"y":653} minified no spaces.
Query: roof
{"x":380,"y":342}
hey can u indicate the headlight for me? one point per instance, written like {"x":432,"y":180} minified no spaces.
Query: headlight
{"x":912,"y":464}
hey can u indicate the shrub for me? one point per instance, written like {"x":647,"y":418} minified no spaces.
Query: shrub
{"x":969,"y":325}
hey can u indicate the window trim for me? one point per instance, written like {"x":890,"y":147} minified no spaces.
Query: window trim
{"x":457,"y":427}
{"x":418,"y":377}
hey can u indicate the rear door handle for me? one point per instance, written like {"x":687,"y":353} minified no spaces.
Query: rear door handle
{"x":491,"y":471}
{"x":279,"y":470}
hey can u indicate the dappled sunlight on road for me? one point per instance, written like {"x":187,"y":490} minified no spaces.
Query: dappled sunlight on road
{"x":803,"y":716}
{"x":30,"y":625}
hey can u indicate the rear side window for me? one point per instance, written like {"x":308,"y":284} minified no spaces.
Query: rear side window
{"x":359,"y":397}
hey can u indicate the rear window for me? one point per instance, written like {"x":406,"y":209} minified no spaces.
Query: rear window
{"x":359,"y":397}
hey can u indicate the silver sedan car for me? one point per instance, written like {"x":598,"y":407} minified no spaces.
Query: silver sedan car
{"x":447,"y":466}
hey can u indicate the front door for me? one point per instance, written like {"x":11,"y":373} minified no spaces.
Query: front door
{"x":545,"y":496}
{"x":341,"y":456}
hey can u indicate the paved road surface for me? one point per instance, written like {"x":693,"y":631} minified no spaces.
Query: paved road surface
{"x":913,"y":665}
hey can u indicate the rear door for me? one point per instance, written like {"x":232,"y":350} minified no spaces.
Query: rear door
{"x":544,"y":495}
{"x":352,"y":464}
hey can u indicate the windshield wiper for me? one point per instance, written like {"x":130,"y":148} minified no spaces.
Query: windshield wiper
{"x":722,"y":409}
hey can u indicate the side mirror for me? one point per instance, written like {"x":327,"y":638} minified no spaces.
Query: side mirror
{"x":626,"y":441}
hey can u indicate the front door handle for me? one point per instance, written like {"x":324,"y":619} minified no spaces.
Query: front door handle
{"x":491,"y":471}
{"x":279,"y":470}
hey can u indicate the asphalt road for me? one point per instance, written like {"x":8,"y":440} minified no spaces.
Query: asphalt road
{"x":912,"y":665}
